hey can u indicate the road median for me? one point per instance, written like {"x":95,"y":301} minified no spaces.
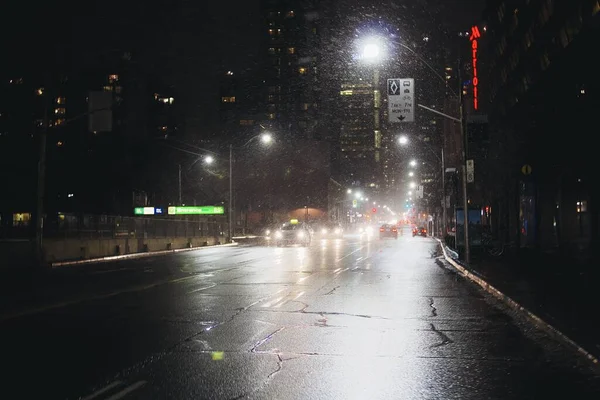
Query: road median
{"x":58,"y":264}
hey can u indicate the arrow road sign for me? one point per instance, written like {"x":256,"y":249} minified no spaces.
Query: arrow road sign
{"x":401,"y":100}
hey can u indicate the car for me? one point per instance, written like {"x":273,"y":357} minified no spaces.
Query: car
{"x":387,"y":230}
{"x":293,"y":233}
{"x":420,"y":231}
{"x":330,"y":231}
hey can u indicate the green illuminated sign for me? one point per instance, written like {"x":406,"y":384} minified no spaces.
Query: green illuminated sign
{"x":196,"y":210}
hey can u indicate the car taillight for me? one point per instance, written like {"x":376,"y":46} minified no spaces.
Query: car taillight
{"x":381,"y":230}
{"x":394,"y":230}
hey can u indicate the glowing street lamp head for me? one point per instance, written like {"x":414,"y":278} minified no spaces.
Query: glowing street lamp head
{"x":371,"y":51}
{"x":412,"y":185}
{"x":209,"y":160}
{"x":349,"y":191}
{"x":266,"y":138}
{"x":411,"y":173}
{"x":403,"y":140}
{"x":413,"y":163}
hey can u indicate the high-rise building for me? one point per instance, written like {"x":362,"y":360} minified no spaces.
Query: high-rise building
{"x":291,"y":81}
{"x":542,"y":87}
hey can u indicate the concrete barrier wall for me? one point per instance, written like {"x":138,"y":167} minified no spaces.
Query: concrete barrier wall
{"x":77,"y":249}
{"x":15,"y":254}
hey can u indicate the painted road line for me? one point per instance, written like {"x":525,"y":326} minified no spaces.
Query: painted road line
{"x":67,"y":303}
{"x":514,"y":305}
{"x":352,"y":252}
{"x":134,"y":255}
{"x":127,"y":390}
{"x":102,"y":391}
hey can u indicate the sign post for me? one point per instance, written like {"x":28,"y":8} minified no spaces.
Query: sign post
{"x":470,"y":171}
{"x":401,"y":100}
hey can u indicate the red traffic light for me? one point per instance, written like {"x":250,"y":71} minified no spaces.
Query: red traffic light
{"x":374,"y":210}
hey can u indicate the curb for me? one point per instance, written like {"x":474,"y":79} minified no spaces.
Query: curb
{"x":531,"y":317}
{"x":134,"y":255}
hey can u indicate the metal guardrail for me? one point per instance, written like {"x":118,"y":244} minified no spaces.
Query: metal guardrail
{"x":86,"y":226}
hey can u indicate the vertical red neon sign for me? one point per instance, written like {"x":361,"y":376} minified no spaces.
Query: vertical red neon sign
{"x":474,"y":47}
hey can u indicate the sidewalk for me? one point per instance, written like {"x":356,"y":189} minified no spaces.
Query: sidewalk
{"x":560,"y":289}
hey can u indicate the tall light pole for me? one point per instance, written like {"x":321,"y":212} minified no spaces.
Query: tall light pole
{"x":266,"y":138}
{"x":370,"y":52}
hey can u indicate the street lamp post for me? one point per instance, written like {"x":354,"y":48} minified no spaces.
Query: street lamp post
{"x":208,"y":159}
{"x":370,"y":51}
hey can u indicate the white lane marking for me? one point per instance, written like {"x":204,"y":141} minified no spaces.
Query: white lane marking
{"x":202,"y":288}
{"x":349,"y":254}
{"x":103,"y":390}
{"x":127,"y":390}
{"x":268,"y":304}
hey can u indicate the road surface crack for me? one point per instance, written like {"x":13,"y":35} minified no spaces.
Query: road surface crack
{"x":265,"y":340}
{"x":331,"y":291}
{"x":433,"y":308}
{"x":445,"y":339}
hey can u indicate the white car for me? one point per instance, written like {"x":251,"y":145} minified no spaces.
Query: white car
{"x":292,"y":233}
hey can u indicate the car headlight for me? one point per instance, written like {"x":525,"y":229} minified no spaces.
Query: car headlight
{"x":338,"y":231}
{"x":323,"y":231}
{"x":278,"y":235}
{"x":369,"y":230}
{"x":300,"y":234}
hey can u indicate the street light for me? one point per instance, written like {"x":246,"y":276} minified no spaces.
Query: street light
{"x":413,"y":163}
{"x":412,"y":185}
{"x":266,"y":138}
{"x":349,"y":191}
{"x":411,"y":173}
{"x":403,"y":140}
{"x":357,"y":195}
{"x":209,"y":160}
{"x":371,"y":51}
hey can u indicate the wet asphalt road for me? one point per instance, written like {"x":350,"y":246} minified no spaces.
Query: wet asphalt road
{"x":342,"y":319}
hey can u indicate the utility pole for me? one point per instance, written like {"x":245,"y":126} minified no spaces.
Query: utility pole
{"x":464,"y":170}
{"x":39,"y":223}
{"x":180,"y":200}
{"x":444,"y":215}
{"x":230,"y":192}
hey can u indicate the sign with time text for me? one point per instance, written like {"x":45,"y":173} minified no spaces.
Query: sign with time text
{"x":401,"y":100}
{"x":196,"y":210}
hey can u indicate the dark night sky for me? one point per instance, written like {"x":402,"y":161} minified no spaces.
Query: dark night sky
{"x":218,"y":35}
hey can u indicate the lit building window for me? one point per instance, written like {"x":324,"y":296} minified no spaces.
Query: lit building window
{"x":107,"y":88}
{"x":228,"y":99}
{"x":302,"y":70}
{"x":60,"y":111}
{"x":582,"y":206}
{"x":60,"y":121}
{"x":229,"y":73}
{"x":271,"y":32}
{"x":59,"y":144}
{"x":290,"y":14}
{"x":271,"y":50}
{"x":21,"y":219}
{"x":113,"y":78}
{"x":60,"y":100}
{"x":246,"y":122}
{"x":165,"y":100}
{"x":291,"y":50}
{"x":271,"y":116}
{"x":39,"y":91}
